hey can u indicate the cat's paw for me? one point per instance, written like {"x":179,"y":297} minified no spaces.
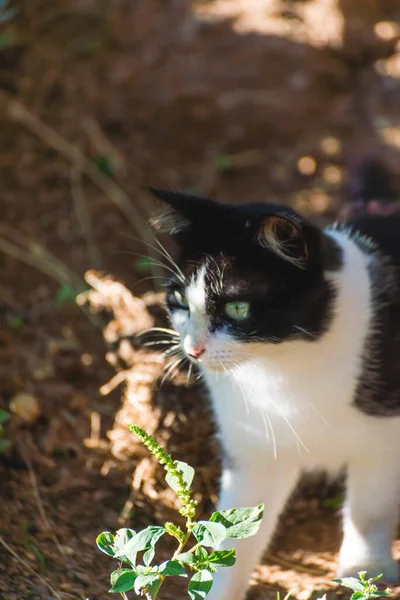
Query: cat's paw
{"x":389,"y":569}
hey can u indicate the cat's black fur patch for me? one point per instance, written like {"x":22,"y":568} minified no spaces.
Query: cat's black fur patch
{"x":287,"y":301}
{"x":378,"y":390}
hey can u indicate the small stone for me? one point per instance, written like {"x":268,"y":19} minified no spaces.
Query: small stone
{"x":26,"y":407}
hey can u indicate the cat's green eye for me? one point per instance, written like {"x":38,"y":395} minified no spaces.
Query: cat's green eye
{"x":237,"y":310}
{"x":181,"y":300}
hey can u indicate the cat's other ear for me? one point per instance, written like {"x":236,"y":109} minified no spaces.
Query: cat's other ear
{"x":289,"y":237}
{"x":170,"y":218}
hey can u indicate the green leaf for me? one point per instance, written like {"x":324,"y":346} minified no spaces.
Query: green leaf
{"x":187,"y":473}
{"x":14,"y":321}
{"x":201,"y":554}
{"x":209,"y":534}
{"x":122,"y":537}
{"x":148,"y":556}
{"x":115,"y":574}
{"x":239,"y":522}
{"x":122,"y":580}
{"x":4,"y":416}
{"x":223,"y":558}
{"x":200,"y":585}
{"x":352,"y":583}
{"x":4,"y":445}
{"x":357,"y":596}
{"x":104,"y":165}
{"x":105,"y":543}
{"x":144,"y":540}
{"x":172,"y":567}
{"x":186,"y":558}
{"x":223,"y":162}
{"x":150,"y":582}
{"x":65,"y":295}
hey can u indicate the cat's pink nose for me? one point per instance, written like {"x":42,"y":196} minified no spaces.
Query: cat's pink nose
{"x":196,"y":351}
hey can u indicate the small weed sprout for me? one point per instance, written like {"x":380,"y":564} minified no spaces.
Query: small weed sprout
{"x":363,"y":588}
{"x":199,"y":562}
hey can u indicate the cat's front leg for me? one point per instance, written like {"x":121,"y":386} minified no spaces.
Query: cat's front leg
{"x":371,"y":514}
{"x":242,"y":487}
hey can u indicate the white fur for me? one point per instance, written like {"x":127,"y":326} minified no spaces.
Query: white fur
{"x":284,"y":408}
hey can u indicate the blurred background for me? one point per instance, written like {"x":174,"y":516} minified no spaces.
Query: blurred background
{"x":268,"y":100}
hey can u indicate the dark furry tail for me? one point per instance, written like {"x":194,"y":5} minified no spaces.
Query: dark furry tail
{"x":369,"y":189}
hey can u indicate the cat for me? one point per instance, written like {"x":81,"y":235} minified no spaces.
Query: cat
{"x":296,"y":331}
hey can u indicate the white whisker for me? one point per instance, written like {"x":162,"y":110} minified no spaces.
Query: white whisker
{"x":171,"y":260}
{"x":269,"y":427}
{"x":319,"y":414}
{"x":151,"y":330}
{"x":171,"y":368}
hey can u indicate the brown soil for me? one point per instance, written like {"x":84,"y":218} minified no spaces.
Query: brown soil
{"x":237,"y":100}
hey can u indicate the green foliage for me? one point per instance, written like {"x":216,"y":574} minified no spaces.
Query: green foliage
{"x":67,"y":294}
{"x":223,"y":162}
{"x":179,"y":475}
{"x":200,"y":584}
{"x":197,"y":564}
{"x":15,"y":321}
{"x":239,"y":522}
{"x":363,"y":588}
{"x":4,"y":443}
{"x":8,"y":38}
{"x":7,"y":12}
{"x":104,"y":164}
{"x":136,"y":551}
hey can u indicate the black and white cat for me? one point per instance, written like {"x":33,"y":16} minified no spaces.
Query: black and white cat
{"x":297,"y":333}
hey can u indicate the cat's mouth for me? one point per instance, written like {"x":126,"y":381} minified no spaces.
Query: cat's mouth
{"x":220,"y":360}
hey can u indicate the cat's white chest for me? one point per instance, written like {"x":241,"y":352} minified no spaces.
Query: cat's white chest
{"x":296,"y":398}
{"x":263,"y":414}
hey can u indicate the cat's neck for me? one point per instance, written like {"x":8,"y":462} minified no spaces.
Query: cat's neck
{"x":335,"y":359}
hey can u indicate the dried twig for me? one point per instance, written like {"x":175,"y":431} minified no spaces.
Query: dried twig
{"x":102,"y":144}
{"x":27,"y":257}
{"x":18,"y":112}
{"x":48,"y":527}
{"x":274,"y":558}
{"x":82,"y":212}
{"x":29,"y":568}
{"x":41,"y":259}
{"x":114,"y":382}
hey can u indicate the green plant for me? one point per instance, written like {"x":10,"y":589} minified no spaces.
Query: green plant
{"x":198,"y":561}
{"x":67,"y":294}
{"x":4,"y":443}
{"x":7,"y":13}
{"x":363,"y":588}
{"x":223,"y":162}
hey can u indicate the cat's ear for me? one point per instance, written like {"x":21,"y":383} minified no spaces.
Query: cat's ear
{"x":170,"y":218}
{"x":181,"y":213}
{"x":288,"y":236}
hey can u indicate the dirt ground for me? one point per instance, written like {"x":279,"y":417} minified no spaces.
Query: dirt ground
{"x":240,"y":100}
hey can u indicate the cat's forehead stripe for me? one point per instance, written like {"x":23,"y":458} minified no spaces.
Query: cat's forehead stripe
{"x":196,"y":292}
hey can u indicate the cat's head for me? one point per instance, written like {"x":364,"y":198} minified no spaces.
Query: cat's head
{"x":247,"y":274}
